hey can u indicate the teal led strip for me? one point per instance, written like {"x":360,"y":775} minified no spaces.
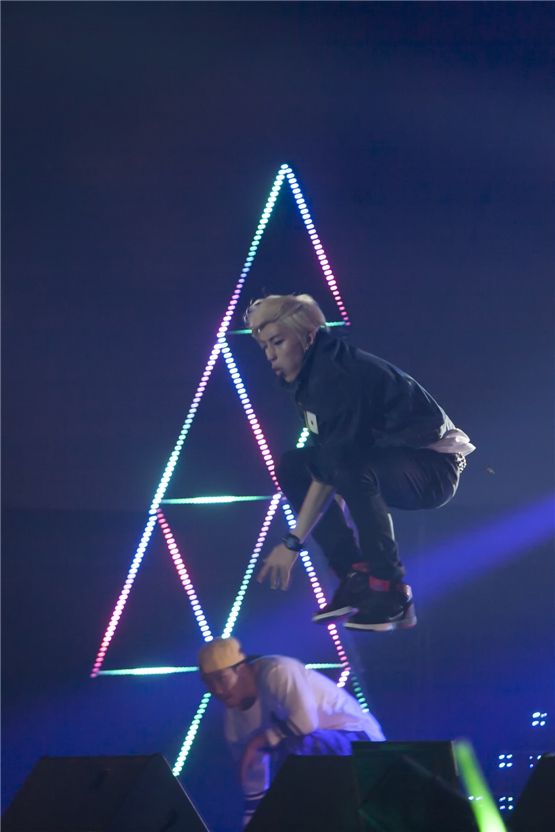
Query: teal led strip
{"x":249,"y":331}
{"x":303,"y":438}
{"x":167,"y":671}
{"x":236,"y":606}
{"x":209,"y":501}
{"x":191,"y":734}
{"x":357,"y":690}
{"x":232,"y":618}
{"x":147,"y":671}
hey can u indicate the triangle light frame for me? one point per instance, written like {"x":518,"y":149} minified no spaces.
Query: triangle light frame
{"x":156,"y":515}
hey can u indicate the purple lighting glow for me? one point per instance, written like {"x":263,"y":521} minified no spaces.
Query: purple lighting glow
{"x":474,"y":553}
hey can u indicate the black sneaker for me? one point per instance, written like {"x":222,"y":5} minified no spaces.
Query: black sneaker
{"x":349,"y":595}
{"x":392,"y":610}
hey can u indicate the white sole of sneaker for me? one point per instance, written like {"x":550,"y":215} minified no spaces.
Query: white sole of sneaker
{"x":330,"y":616}
{"x":406,"y":624}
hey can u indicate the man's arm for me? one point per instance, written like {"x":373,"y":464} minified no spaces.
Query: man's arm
{"x":254,"y":773}
{"x":280,"y":561}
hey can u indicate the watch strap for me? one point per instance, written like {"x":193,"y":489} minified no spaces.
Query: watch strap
{"x":292,"y":542}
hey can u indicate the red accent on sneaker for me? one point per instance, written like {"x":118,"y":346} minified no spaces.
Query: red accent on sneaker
{"x":360,"y":567}
{"x":378,"y":584}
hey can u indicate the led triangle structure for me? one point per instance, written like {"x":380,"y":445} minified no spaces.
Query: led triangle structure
{"x":156,"y":516}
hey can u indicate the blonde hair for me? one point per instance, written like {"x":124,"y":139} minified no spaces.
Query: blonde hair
{"x":300,"y":313}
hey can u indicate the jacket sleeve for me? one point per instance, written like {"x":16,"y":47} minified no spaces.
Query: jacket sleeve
{"x":405,"y":413}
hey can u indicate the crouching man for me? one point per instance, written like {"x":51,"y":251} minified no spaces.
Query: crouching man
{"x":276,"y":707}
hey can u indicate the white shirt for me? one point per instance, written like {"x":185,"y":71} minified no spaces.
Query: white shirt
{"x":454,"y":441}
{"x":292,"y":699}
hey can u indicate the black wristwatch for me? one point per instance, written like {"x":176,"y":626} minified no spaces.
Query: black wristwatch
{"x":292,"y":542}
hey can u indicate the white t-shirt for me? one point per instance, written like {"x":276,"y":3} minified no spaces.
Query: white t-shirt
{"x":454,"y":441}
{"x":292,"y":700}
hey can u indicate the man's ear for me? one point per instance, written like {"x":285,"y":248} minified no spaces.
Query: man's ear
{"x":310,"y":339}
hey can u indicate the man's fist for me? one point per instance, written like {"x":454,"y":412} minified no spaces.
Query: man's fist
{"x":252,"y":749}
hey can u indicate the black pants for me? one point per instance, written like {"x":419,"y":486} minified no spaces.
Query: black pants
{"x":406,"y":478}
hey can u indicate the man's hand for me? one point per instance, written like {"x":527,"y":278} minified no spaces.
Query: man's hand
{"x":252,"y":749}
{"x":278,"y":565}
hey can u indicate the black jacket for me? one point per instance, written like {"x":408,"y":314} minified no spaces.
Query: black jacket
{"x":351,"y":401}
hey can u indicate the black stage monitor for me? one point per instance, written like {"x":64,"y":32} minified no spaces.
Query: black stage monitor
{"x":102,"y":794}
{"x":383,"y":787}
{"x":535,"y":809}
{"x":373,"y":759}
{"x":310,"y":794}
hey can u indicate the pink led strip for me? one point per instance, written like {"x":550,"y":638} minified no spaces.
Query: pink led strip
{"x":345,"y":673}
{"x":316,"y":243}
{"x":250,"y":414}
{"x":187,"y":583}
{"x":184,"y":576}
{"x":318,"y":594}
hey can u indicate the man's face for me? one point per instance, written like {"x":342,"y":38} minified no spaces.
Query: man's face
{"x":226,"y":685}
{"x":283,"y":349}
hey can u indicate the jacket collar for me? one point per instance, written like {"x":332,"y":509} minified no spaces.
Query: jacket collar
{"x":321,"y":339}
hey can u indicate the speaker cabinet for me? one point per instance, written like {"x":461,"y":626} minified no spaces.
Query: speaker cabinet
{"x":535,"y":810}
{"x":408,"y":798}
{"x":382,"y":787}
{"x":373,"y":759}
{"x":102,"y":794}
{"x":310,"y":794}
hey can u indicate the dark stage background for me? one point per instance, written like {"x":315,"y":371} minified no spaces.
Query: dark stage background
{"x":140,"y":141}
